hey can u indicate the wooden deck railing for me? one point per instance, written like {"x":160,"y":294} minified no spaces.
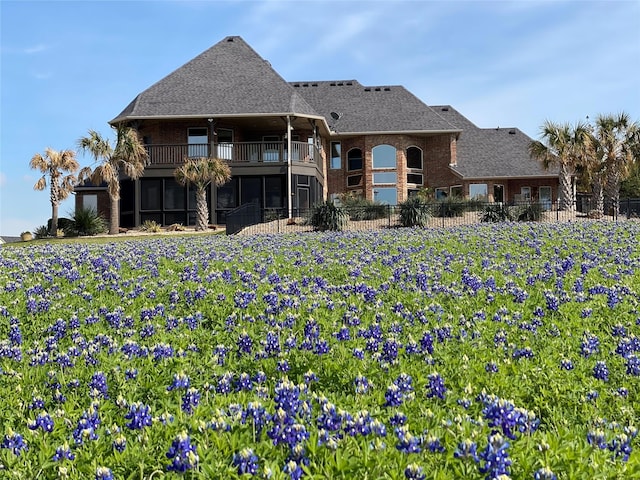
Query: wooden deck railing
{"x":242,"y":153}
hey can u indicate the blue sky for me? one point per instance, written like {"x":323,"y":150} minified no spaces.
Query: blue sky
{"x":69,"y":66}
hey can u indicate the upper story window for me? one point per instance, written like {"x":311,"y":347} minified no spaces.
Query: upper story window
{"x":198,"y":140}
{"x":336,"y":160}
{"x":414,"y":158}
{"x":384,"y":156}
{"x":354,"y":159}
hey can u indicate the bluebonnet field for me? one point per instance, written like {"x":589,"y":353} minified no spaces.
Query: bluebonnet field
{"x":478,"y":352}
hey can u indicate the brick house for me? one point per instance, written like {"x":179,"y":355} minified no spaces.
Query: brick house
{"x":293,"y":144}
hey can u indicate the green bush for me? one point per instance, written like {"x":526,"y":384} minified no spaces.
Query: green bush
{"x":63,"y":223}
{"x":85,"y":222}
{"x":327,"y":216}
{"x":496,"y":212}
{"x":451,"y":207}
{"x":529,"y":213}
{"x":414,"y":213}
{"x":360,"y":208}
{"x":41,"y":232}
{"x":150,"y":226}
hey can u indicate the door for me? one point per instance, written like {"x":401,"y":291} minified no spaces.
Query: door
{"x":545,"y":197}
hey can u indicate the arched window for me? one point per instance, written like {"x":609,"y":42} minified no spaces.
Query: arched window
{"x":384,"y":156}
{"x":414,"y":158}
{"x":354,"y":159}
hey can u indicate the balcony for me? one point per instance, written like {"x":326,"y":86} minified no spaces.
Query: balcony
{"x":244,"y":153}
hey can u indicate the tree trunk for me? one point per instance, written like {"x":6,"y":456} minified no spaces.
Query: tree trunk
{"x":566,"y":189}
{"x":612,"y":192}
{"x":202,"y":220}
{"x":114,"y":224}
{"x":54,"y":207}
{"x":598,"y":197}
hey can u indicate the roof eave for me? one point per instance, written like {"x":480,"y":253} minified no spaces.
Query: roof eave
{"x":396,"y":132}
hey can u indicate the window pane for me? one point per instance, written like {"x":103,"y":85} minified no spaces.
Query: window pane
{"x":355,"y":159}
{"x":478,"y":191}
{"x":198,"y":142}
{"x":384,"y":156}
{"x":90,"y":202}
{"x":414,"y":178}
{"x":388,"y":195}
{"x":226,"y":197}
{"x":384,"y":177}
{"x":174,"y":195}
{"x":336,"y":150}
{"x":251,"y":190}
{"x":273,"y":192}
{"x":414,"y":158}
{"x":174,"y":217}
{"x":354,"y":180}
{"x":150,"y":194}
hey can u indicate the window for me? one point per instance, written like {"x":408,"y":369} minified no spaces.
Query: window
{"x":90,"y":202}
{"x":271,"y":145}
{"x":442,"y":193}
{"x":414,"y":158}
{"x":478,"y":191}
{"x":225,"y":143}
{"x":151,"y":194}
{"x":174,"y":195}
{"x":386,"y":195}
{"x":354,"y":180}
{"x":273,"y":192}
{"x":456,"y":191}
{"x":226,"y":195}
{"x":354,"y":159}
{"x":384,"y":156}
{"x":544,"y":196}
{"x":498,"y":193}
{"x":336,"y":161}
{"x":415,"y":178}
{"x":526,"y":193}
{"x":384,"y":177}
{"x":198,"y":139}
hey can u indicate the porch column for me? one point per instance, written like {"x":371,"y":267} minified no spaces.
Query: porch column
{"x":289,"y":164}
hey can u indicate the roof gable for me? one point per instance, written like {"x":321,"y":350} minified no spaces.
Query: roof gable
{"x":491,"y":152}
{"x":350,"y":107}
{"x":229,"y":78}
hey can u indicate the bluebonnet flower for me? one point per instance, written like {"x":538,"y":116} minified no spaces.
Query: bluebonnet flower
{"x":467,"y":449}
{"x":398,"y":418}
{"x":103,"y":473}
{"x":283,"y":366}
{"x":182,"y":453}
{"x":63,"y":452}
{"x":393,"y":396}
{"x":566,"y":364}
{"x":590,"y":345}
{"x":592,"y":395}
{"x":43,"y":421}
{"x":293,"y":469}
{"x":633,"y":365}
{"x":36,"y":403}
{"x":244,"y":343}
{"x":98,"y":385}
{"x":119,"y":443}
{"x":491,"y":367}
{"x":600,"y":371}
{"x":246,"y":462}
{"x":138,"y":416}
{"x":544,"y":473}
{"x":309,"y":377}
{"x":434,"y":445}
{"x":180,"y":380}
{"x":258,"y":415}
{"x":362,"y":384}
{"x":495,"y":457}
{"x":243,"y":382}
{"x":190,"y":399}
{"x":414,"y":472}
{"x":436,"y":386}
{"x":13,"y":441}
{"x":87,"y":426}
{"x":407,"y":442}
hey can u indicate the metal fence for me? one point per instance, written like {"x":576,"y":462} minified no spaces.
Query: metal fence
{"x":250,"y":219}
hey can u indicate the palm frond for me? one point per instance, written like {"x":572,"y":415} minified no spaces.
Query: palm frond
{"x":41,"y":184}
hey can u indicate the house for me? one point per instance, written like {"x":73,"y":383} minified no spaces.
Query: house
{"x":291,"y":145}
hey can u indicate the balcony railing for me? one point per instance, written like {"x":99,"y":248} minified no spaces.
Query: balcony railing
{"x":234,"y":153}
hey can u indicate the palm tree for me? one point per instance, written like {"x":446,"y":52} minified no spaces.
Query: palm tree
{"x":563,"y":146}
{"x":202,"y":172}
{"x":55,"y":164}
{"x":128,"y":156}
{"x":615,"y":138}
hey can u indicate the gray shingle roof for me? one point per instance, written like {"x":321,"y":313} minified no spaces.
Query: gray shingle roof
{"x":491,"y":152}
{"x":230,"y":78}
{"x":363,"y":109}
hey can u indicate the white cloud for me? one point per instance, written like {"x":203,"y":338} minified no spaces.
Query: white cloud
{"x":41,"y":47}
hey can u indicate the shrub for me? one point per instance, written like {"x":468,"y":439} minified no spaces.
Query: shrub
{"x":41,"y":232}
{"x":496,"y":212}
{"x":360,"y":208}
{"x":414,"y":213}
{"x":151,"y":226}
{"x":85,"y":222}
{"x":529,"y":213}
{"x":62,"y":223}
{"x":327,"y":216}
{"x":451,"y":207}
{"x":176,"y":227}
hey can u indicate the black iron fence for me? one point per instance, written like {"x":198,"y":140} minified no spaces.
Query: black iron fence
{"x":250,"y":219}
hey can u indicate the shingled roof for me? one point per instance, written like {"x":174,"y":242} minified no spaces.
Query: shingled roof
{"x":351,"y":108}
{"x":228,"y":79}
{"x":491,"y":152}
